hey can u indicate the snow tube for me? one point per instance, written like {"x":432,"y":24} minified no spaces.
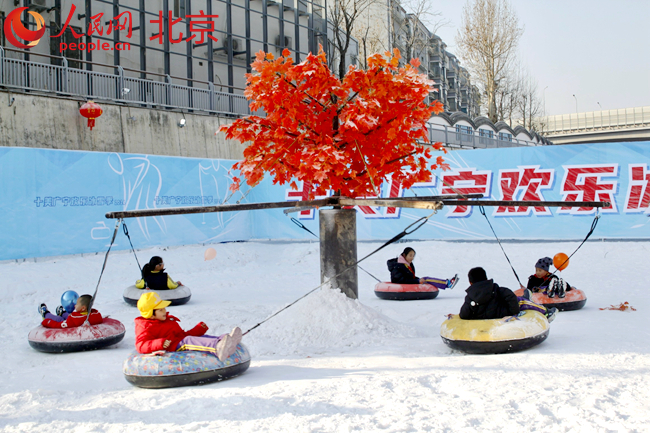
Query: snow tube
{"x":84,"y":337}
{"x":508,"y":334}
{"x":574,"y":300}
{"x":178,"y":296}
{"x":183,"y":368}
{"x":405,"y":292}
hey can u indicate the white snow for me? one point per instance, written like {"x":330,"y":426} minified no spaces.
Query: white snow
{"x":329,"y":364}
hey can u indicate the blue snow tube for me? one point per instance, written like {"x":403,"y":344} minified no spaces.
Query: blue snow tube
{"x":183,"y":368}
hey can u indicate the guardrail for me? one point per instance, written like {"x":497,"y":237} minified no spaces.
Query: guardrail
{"x":597,"y":120}
{"x":118,"y":88}
{"x":66,"y":81}
{"x":462,"y":140}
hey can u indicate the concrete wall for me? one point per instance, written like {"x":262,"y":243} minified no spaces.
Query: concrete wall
{"x":53,"y":123}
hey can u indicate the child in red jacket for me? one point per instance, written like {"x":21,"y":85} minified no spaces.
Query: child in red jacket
{"x":158,"y":331}
{"x":76,"y":318}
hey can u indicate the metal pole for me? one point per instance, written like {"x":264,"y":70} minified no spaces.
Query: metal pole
{"x":296,"y":30}
{"x":408,"y":202}
{"x":231,"y":76}
{"x":189,"y":59}
{"x":143,"y":47}
{"x":168,"y":36}
{"x":168,"y":80}
{"x":120,"y":83}
{"x":247,"y":20}
{"x":526,"y":203}
{"x":220,"y":208}
{"x":116,"y":37}
{"x":265,"y":30}
{"x":210,"y":50}
{"x":64,"y":81}
{"x":338,"y":249}
{"x":89,"y":38}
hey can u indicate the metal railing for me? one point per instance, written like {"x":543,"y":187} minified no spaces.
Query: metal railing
{"x":625,"y":118}
{"x":451,"y":137}
{"x":117,"y":87}
{"x":66,"y":81}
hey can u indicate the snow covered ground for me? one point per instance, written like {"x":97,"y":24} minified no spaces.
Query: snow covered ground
{"x":329,"y":364}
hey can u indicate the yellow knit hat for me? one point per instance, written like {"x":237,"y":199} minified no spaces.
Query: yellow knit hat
{"x":151,"y":301}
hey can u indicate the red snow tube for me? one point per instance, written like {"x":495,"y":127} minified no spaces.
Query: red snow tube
{"x":84,"y":337}
{"x":405,"y":292}
{"x":574,"y":300}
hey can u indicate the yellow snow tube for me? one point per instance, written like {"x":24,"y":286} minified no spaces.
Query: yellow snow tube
{"x":508,"y":334}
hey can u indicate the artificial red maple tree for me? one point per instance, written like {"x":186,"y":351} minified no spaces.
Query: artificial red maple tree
{"x":347,"y":136}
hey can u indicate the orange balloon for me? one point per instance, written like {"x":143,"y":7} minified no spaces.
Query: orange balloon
{"x":210,"y":254}
{"x":560,"y":261}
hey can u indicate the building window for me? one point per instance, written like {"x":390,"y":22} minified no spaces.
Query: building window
{"x":485,"y":133}
{"x":485,"y":136}
{"x":505,"y":136}
{"x":464,"y":134}
{"x":71,"y":55}
{"x":179,"y":8}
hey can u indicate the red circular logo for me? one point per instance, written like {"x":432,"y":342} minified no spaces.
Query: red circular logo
{"x":13,"y":22}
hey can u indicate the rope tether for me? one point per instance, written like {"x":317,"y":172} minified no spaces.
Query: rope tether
{"x":594,"y":223}
{"x":126,"y":232}
{"x":393,"y":239}
{"x":92,"y":300}
{"x":499,"y":241}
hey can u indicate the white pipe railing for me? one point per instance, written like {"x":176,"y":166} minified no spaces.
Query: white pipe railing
{"x":636,"y":117}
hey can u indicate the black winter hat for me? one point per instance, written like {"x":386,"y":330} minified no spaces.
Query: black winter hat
{"x":544,"y":263}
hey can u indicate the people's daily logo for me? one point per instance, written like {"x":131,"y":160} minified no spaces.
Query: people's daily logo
{"x":14,"y":26}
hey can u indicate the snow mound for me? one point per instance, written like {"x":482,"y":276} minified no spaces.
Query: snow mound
{"x":324,"y":321}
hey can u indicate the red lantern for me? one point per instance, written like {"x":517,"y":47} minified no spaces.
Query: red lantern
{"x":90,"y":110}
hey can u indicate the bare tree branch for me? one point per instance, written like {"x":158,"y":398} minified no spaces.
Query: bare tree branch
{"x":488,"y":40}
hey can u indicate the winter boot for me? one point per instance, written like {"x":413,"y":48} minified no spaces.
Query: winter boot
{"x":562,"y":288}
{"x":60,"y":310}
{"x":42,"y":310}
{"x":226,"y":347}
{"x":452,"y":283}
{"x":528,"y":294}
{"x":236,"y":335}
{"x":550,"y":314}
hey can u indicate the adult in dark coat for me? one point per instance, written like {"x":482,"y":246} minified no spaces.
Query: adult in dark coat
{"x":487,"y":300}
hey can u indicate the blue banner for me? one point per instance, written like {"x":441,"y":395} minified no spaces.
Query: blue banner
{"x":53,"y":202}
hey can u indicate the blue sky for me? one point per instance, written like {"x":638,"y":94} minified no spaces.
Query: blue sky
{"x":598,"y":50}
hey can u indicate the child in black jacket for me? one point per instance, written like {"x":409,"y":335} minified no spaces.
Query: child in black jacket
{"x":487,"y":300}
{"x":402,"y":271}
{"x":545,"y":282}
